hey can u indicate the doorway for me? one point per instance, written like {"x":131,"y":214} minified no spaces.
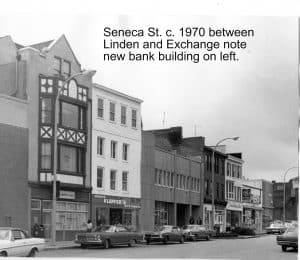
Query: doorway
{"x":115,"y":216}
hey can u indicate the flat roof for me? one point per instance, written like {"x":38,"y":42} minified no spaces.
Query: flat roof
{"x":117,"y":93}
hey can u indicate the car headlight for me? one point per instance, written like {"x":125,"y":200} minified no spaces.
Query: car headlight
{"x":76,"y":237}
{"x":98,"y":237}
{"x":161,"y":235}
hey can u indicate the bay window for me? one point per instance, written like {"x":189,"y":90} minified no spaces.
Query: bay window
{"x":71,"y":159}
{"x":72,"y":116}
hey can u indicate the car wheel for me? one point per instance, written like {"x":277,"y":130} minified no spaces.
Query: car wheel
{"x":32,"y":252}
{"x":106,"y":244}
{"x":181,"y":241}
{"x":83,"y":246}
{"x":131,"y":243}
{"x":3,"y":254}
{"x":207,"y":238}
{"x":283,"y":248}
{"x":166,"y":239}
{"x":147,"y":241}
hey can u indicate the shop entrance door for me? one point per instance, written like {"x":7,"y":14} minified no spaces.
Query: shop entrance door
{"x":115,"y":216}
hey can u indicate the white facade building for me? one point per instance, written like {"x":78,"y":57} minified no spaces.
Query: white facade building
{"x":116,"y":157}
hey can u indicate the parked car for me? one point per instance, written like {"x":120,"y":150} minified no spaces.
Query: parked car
{"x":16,"y":242}
{"x":195,"y":232}
{"x":109,"y":236}
{"x":165,"y":234}
{"x":289,"y":238}
{"x":276,"y":228}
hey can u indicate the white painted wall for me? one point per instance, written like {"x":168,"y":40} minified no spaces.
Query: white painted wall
{"x":121,"y":134}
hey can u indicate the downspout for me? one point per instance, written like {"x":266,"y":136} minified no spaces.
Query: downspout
{"x":91,"y":156}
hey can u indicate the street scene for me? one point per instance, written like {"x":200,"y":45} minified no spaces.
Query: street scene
{"x":89,"y":170}
{"x":265,"y":248}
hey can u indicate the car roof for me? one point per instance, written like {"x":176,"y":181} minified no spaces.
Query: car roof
{"x":9,"y":228}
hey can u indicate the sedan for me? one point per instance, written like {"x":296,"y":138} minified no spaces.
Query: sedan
{"x":195,"y":232}
{"x":165,"y":234}
{"x":16,"y":242}
{"x":109,"y":236}
{"x":289,"y":238}
{"x":276,"y":228}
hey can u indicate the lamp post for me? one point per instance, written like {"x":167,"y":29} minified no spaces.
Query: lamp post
{"x":53,"y":226}
{"x":213,"y":177}
{"x":284,"y":189}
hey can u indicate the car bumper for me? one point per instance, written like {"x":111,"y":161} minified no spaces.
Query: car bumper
{"x":87,"y":242}
{"x":288,"y":243}
{"x":154,"y":239}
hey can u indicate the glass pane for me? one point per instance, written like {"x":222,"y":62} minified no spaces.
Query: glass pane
{"x":68,"y":158}
{"x":46,"y":110}
{"x":72,"y":89}
{"x":70,"y":115}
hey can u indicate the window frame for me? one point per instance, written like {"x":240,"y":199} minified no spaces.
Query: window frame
{"x":113,"y":149}
{"x":133,"y":120}
{"x":113,"y":180}
{"x":125,"y":181}
{"x":100,"y":169}
{"x":112,"y":113}
{"x":100,"y":145}
{"x":100,"y":108}
{"x":123,"y":122}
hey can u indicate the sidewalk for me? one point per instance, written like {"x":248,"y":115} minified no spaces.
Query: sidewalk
{"x":60,"y":245}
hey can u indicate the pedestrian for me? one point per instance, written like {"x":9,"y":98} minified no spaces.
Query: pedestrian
{"x":199,"y":221}
{"x":89,"y":226}
{"x":191,"y":221}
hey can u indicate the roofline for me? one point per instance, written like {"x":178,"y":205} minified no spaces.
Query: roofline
{"x":233,"y":158}
{"x":53,"y":43}
{"x":115,"y":92}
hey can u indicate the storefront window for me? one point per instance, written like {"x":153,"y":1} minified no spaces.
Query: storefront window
{"x":161,"y":213}
{"x":46,"y":155}
{"x":71,"y":215}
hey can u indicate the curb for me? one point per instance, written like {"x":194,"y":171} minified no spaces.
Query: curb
{"x":60,"y":247}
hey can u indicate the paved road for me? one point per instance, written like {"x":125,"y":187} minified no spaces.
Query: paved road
{"x":263,"y":247}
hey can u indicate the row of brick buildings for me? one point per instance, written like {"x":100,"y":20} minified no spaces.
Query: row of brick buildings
{"x":108,"y":168}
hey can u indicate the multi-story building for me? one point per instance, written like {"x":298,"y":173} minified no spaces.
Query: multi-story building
{"x":233,"y":190}
{"x":291,"y":199}
{"x":267,"y":202}
{"x":34,"y":73}
{"x":172,"y":179}
{"x":116,"y":157}
{"x":252,"y":204}
{"x":219,"y":188}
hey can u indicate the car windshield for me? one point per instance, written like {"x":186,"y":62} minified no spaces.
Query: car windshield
{"x":4,"y":234}
{"x":163,"y":228}
{"x":188,"y":227}
{"x":292,"y":230}
{"x":109,"y":229}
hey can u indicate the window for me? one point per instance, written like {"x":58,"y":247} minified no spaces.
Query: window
{"x":113,"y":149}
{"x":99,"y":177}
{"x":72,"y":116}
{"x":125,"y":181}
{"x":156,"y":176}
{"x":71,"y":216}
{"x":222,"y":191}
{"x":207,"y":187}
{"x":112,"y":108}
{"x":228,"y":169}
{"x":168,"y":179}
{"x":123,"y":115}
{"x":35,"y":204}
{"x":45,"y":156}
{"x":125,"y":152}
{"x":183,"y":182}
{"x":100,"y":145}
{"x":159,"y":177}
{"x":66,"y":68}
{"x":133,"y":118}
{"x":218,"y":193}
{"x":112,"y":179}
{"x":70,"y":159}
{"x":172,"y":179}
{"x":57,"y":64}
{"x":46,"y":111}
{"x":100,"y":111}
{"x":164,"y":178}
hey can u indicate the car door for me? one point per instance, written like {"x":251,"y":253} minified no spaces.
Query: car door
{"x":18,"y":244}
{"x":175,"y":233}
{"x":123,"y":236}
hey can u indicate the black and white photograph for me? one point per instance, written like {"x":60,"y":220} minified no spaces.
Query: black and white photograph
{"x":148,"y":135}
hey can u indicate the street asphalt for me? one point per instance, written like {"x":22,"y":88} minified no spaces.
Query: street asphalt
{"x":263,"y":247}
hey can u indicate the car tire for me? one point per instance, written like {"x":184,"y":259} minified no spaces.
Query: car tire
{"x":207,"y":238}
{"x":83,"y":246}
{"x":284,"y":248}
{"x":181,"y":241}
{"x":131,"y":243}
{"x":107,"y":244}
{"x":147,"y":241}
{"x":3,"y":254}
{"x":165,"y":241}
{"x":32,"y":252}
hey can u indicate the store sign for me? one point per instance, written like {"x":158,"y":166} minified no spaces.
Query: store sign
{"x":125,"y":202}
{"x":246,"y":194}
{"x":64,"y":194}
{"x":232,"y":205}
{"x":295,"y":184}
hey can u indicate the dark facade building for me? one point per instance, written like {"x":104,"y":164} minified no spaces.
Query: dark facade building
{"x":267,"y":203}
{"x":219,"y":189}
{"x":32,"y":75}
{"x":291,"y":199}
{"x":171,"y":179}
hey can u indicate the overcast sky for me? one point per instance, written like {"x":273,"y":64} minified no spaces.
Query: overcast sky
{"x":255,"y":98}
